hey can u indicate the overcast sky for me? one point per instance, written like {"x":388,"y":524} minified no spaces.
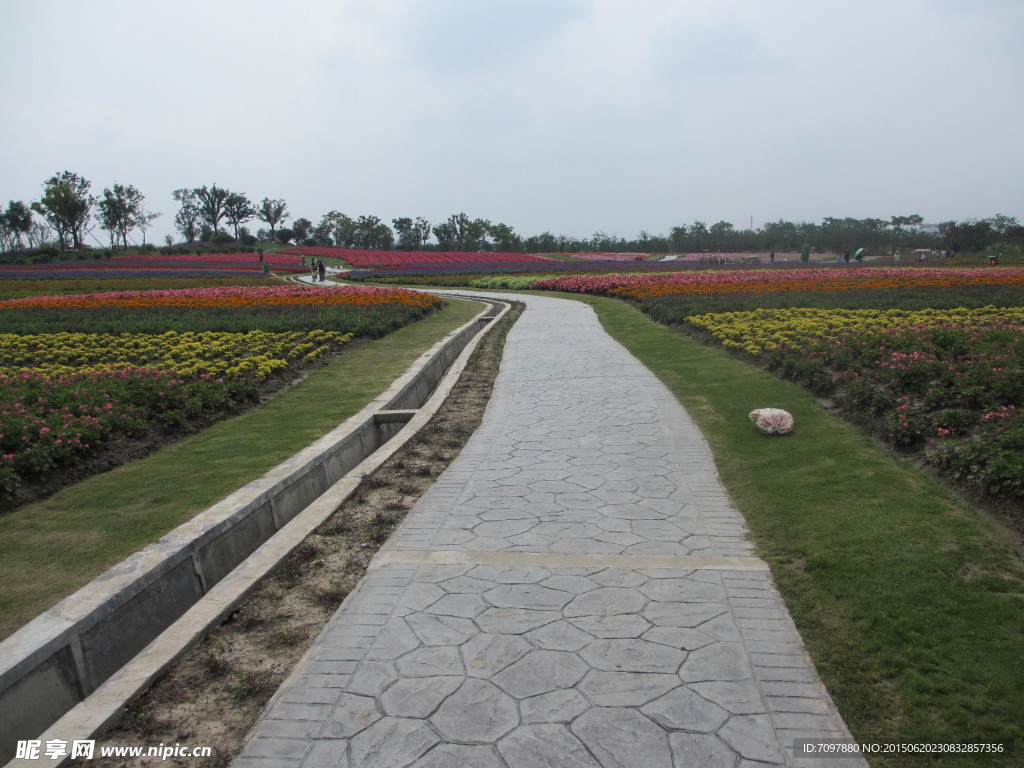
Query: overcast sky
{"x":562,"y":115}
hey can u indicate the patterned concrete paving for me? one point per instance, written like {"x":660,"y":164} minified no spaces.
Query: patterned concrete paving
{"x":576,"y":590}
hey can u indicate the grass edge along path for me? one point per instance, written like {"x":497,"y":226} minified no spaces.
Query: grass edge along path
{"x":909,"y":601}
{"x":53,"y":547}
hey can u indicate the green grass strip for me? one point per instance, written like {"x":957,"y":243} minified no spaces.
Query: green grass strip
{"x":909,"y":602}
{"x":50,"y":549}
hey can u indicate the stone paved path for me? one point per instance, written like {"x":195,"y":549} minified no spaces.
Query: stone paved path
{"x":576,"y":590}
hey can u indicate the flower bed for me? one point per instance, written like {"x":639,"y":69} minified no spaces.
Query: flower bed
{"x":16,"y":289}
{"x":54,"y":421}
{"x":950,"y":382}
{"x":362,"y":310}
{"x":256,"y":354}
{"x":609,"y":256}
{"x":66,"y":393}
{"x":279,"y":296}
{"x":96,"y":270}
{"x":641,"y":287}
{"x":277,"y":258}
{"x":423,"y":259}
{"x":158,"y":265}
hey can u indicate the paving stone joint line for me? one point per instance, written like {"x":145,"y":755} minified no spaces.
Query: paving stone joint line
{"x":576,"y":590}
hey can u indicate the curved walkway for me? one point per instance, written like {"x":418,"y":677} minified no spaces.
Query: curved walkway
{"x":575,"y":590}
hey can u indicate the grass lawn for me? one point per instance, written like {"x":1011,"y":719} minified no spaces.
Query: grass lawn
{"x":50,"y":549}
{"x":910,"y":602}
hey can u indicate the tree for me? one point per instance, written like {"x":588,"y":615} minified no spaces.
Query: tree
{"x":406,"y":238}
{"x":336,"y":229}
{"x":412,"y":235}
{"x":7,"y":239}
{"x":698,"y":233}
{"x":601,"y":242}
{"x":273,"y":212}
{"x":447,"y":235}
{"x":542,"y":243}
{"x":238,"y":210}
{"x":211,"y":205}
{"x":1015,"y":236}
{"x":505,"y":238}
{"x":461,"y":233}
{"x":118,"y":210}
{"x":1002,"y":224}
{"x":679,"y":239}
{"x":370,"y":233}
{"x":720,"y":232}
{"x":186,"y":221}
{"x":17,"y":221}
{"x":143,"y":220}
{"x":66,"y":205}
{"x":970,"y":235}
{"x":781,"y":236}
{"x":301,"y":229}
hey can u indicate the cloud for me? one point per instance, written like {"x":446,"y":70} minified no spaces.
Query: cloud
{"x":457,"y":36}
{"x":568,"y":115}
{"x":712,"y":52}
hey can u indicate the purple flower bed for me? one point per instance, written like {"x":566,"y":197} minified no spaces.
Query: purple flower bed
{"x":85,"y":273}
{"x":491,"y":269}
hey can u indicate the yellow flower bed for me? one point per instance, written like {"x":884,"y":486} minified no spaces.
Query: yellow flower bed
{"x":764,"y":329}
{"x":254,"y":353}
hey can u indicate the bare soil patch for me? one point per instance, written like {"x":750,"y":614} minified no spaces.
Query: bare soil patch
{"x":214,"y":695}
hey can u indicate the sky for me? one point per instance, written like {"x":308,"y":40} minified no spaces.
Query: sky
{"x":567,"y":116}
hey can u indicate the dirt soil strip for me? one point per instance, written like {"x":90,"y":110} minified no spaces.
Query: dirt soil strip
{"x":213,"y":696}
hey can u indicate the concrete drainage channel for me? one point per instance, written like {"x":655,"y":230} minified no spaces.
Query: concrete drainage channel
{"x":68,"y":673}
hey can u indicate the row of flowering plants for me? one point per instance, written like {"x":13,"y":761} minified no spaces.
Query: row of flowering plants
{"x":65,"y":394}
{"x":947,"y":381}
{"x":279,"y":296}
{"x":363,"y":310}
{"x":49,"y":422}
{"x":16,"y":289}
{"x":361,"y":259}
{"x":640,"y":287}
{"x":158,"y":265}
{"x":275,"y":259}
{"x":256,"y":354}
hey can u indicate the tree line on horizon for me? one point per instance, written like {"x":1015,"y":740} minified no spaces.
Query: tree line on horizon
{"x":214,"y":214}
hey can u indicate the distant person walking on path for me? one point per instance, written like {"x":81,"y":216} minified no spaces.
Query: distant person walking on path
{"x":322,"y":269}
{"x":312,"y":269}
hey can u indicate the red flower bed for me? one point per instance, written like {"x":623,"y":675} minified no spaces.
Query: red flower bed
{"x":427,"y":259}
{"x":647,"y":286}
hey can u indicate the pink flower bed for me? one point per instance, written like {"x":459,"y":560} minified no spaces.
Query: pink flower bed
{"x":226,"y":295}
